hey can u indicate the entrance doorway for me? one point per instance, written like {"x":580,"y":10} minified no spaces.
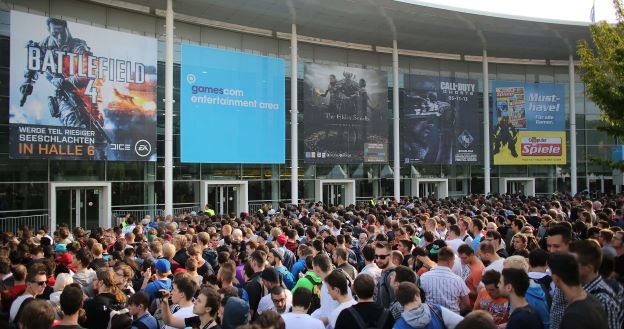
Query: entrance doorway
{"x":430,"y":187}
{"x":80,"y":204}
{"x":225,"y":197}
{"x":516,"y":185}
{"x":335,"y":191}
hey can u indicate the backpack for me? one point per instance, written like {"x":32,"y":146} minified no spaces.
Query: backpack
{"x":112,"y":313}
{"x":15,"y":322}
{"x":363,"y":325}
{"x":545,"y":282}
{"x":384,"y":294}
{"x":315,"y":303}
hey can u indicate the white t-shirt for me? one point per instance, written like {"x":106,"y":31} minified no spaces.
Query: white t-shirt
{"x":454,"y":244}
{"x":266,"y":303}
{"x":301,"y":321}
{"x":496,"y":265}
{"x":183,"y":313}
{"x":15,"y":306}
{"x":333,"y":316}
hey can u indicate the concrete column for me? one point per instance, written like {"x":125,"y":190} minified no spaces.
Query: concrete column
{"x":395,"y":120}
{"x":169,"y":109}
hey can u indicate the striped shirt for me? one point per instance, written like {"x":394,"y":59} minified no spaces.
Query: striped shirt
{"x":612,"y":304}
{"x":443,"y":287}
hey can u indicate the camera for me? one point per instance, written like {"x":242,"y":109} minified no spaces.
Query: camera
{"x":161,"y":294}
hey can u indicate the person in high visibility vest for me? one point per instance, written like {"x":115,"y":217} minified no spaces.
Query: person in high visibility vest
{"x":209,"y":210}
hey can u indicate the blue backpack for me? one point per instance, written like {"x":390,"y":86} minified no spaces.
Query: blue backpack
{"x":436,"y":320}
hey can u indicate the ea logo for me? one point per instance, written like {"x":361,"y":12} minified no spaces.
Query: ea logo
{"x":143,"y":148}
{"x":190,"y":78}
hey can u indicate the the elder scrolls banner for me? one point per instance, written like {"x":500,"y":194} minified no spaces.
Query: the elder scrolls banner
{"x":440,"y":121}
{"x":345,"y":115}
{"x":528,"y":123}
{"x":80,"y":92}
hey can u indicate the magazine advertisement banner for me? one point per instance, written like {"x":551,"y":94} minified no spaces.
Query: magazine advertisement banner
{"x":79,"y":92}
{"x":232,"y":107}
{"x":528,"y":123}
{"x":345,"y":114}
{"x":440,"y":121}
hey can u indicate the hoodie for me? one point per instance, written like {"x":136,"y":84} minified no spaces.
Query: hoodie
{"x":235,"y":313}
{"x":417,"y":318}
{"x":535,"y":297}
{"x":85,"y":280}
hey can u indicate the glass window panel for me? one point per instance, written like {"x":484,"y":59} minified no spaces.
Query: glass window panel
{"x":4,"y":109}
{"x":23,"y":170}
{"x":127,"y":193}
{"x":126,"y":171}
{"x":79,"y":170}
{"x":23,"y":196}
{"x":511,"y":72}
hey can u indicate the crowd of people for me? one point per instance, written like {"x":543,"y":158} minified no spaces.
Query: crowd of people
{"x":477,"y":262}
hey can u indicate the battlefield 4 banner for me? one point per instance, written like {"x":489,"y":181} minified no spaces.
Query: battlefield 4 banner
{"x":79,"y":92}
{"x":528,"y":123}
{"x":440,"y":120}
{"x":345,"y":114}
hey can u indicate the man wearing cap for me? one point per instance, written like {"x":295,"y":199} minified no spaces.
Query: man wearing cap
{"x":289,"y":258}
{"x":270,"y":279}
{"x":162,"y":281}
{"x":275,"y":257}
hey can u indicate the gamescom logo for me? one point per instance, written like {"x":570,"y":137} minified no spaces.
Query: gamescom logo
{"x":190,"y":78}
{"x":143,"y":148}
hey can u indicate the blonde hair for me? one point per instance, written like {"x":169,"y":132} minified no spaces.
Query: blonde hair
{"x":516,"y":261}
{"x":168,"y":250}
{"x":62,"y":280}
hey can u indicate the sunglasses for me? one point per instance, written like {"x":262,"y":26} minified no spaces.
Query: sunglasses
{"x":39,"y":283}
{"x":381,"y":256}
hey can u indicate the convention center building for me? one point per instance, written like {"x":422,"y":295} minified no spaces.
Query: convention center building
{"x":160,"y":106}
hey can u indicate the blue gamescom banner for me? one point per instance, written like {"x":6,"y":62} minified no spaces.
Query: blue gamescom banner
{"x":232,"y":107}
{"x":529,"y":123}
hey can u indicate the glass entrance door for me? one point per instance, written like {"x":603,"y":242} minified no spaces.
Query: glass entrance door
{"x":334,"y":194}
{"x":78,"y":207}
{"x":428,"y":189}
{"x":224,"y":198}
{"x":515,"y":187}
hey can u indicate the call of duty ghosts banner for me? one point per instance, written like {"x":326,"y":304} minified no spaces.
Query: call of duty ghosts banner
{"x":528,"y":123}
{"x":345,"y":114}
{"x":440,"y":121}
{"x":80,"y":92}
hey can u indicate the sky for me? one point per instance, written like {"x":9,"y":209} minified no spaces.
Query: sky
{"x":566,"y":10}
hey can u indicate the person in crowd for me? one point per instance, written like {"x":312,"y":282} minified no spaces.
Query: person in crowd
{"x":37,"y":314}
{"x":366,"y":313}
{"x":418,"y":315}
{"x":338,"y":289}
{"x":384,"y":292}
{"x":138,"y":305}
{"x":590,"y":257}
{"x":444,"y":287}
{"x":490,"y":298}
{"x":298,"y":317}
{"x":468,"y":257}
{"x":36,"y":281}
{"x":583,"y":309}
{"x":514,"y":284}
{"x":71,"y":301}
{"x":271,"y":279}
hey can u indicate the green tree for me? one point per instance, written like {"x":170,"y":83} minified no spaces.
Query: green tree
{"x":602,"y":70}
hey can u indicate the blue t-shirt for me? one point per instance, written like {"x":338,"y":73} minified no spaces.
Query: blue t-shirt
{"x":153,"y":287}
{"x":148,"y":320}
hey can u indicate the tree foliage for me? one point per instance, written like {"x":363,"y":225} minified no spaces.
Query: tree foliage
{"x":602,"y":70}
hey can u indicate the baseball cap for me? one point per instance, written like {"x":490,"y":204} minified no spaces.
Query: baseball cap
{"x":279,"y":253}
{"x":162,"y":265}
{"x":282,"y":239}
{"x":61,"y":247}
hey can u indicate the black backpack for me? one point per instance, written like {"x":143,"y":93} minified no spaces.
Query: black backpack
{"x":363,"y":325}
{"x":545,"y":282}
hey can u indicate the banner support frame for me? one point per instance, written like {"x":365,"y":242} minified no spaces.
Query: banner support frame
{"x":486,"y":126}
{"x":395,"y":120}
{"x":573,"y":170}
{"x":169,"y":109}
{"x":294,"y":149}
